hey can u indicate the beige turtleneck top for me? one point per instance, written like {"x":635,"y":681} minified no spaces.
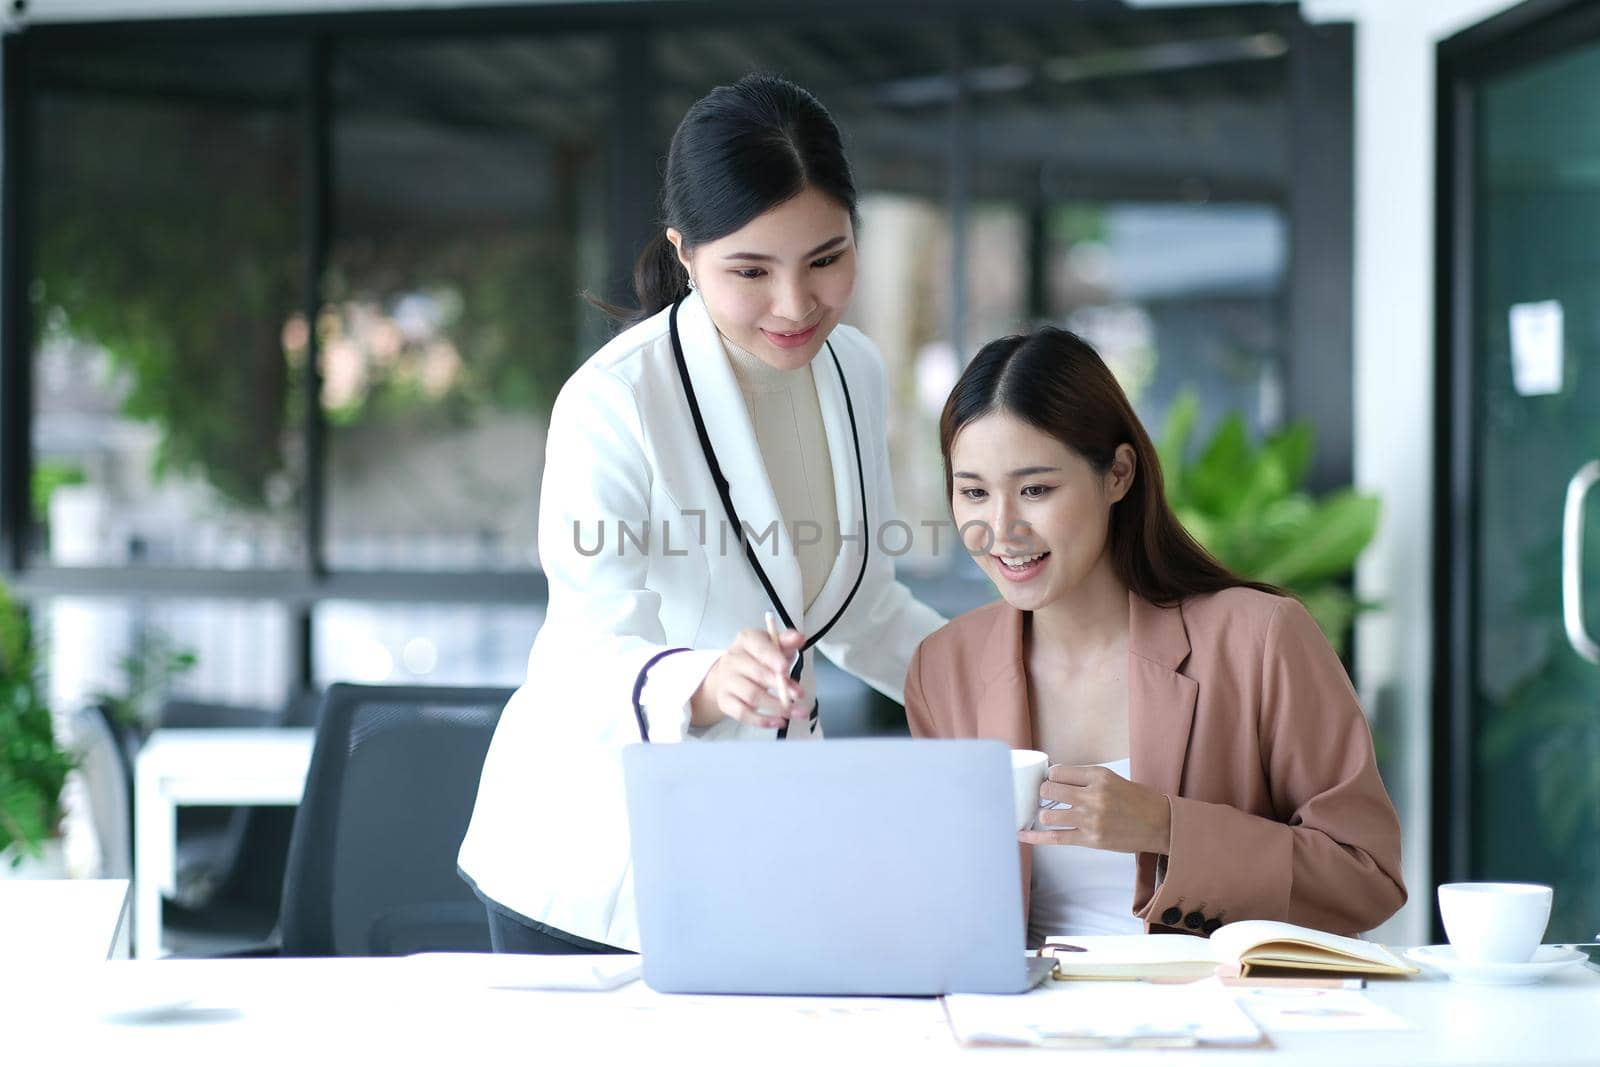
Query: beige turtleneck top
{"x":794,"y":446}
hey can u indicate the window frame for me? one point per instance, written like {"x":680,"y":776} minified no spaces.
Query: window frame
{"x":631,"y":174}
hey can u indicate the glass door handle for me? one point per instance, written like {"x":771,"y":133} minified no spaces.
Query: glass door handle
{"x":1572,"y":562}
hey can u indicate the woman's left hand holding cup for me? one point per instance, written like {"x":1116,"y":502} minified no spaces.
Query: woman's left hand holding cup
{"x":1106,"y":812}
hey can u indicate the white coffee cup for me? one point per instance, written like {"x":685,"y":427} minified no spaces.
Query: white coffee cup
{"x":1029,"y":769}
{"x":1495,"y":922}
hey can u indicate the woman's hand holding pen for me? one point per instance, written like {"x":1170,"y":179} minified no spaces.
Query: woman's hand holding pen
{"x":1106,"y":811}
{"x":739,"y":685}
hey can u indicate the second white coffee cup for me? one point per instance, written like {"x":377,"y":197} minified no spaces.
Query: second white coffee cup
{"x":1029,"y":769}
{"x":1495,"y":922}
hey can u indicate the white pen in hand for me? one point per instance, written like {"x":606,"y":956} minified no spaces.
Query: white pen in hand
{"x":783,"y":679}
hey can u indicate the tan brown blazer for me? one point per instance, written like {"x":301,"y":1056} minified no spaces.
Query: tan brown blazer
{"x":1241,"y":714}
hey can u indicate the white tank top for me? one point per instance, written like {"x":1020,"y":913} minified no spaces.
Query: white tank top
{"x":1077,"y":890}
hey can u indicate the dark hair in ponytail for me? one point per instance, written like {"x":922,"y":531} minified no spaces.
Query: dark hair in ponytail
{"x":740,"y":151}
{"x":1057,"y":383}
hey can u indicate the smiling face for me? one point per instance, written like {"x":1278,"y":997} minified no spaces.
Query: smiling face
{"x":1033,"y":513}
{"x":777,"y":286}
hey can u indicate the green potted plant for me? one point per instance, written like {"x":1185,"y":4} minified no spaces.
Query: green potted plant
{"x":33,"y":763}
{"x":1246,"y":503}
{"x":152,"y":664}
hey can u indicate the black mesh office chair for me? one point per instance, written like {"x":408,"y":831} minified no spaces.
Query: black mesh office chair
{"x":372,"y":862}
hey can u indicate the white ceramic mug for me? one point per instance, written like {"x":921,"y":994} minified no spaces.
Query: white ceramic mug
{"x":1029,"y":769}
{"x":1495,"y":922}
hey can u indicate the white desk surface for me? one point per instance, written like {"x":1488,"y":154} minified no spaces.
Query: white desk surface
{"x":221,"y":766}
{"x":78,"y":920}
{"x":443,"y":1010}
{"x":227,"y":766}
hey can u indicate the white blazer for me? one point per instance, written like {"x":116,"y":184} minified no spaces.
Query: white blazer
{"x":549,"y":834}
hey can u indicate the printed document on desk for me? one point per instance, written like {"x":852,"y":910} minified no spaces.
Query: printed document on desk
{"x":1104,"y":1015}
{"x":1283,"y":1010}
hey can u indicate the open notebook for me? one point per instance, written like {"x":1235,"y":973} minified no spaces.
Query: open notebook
{"x":1250,"y":947}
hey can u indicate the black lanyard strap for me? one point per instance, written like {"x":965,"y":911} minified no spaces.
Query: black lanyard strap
{"x":638,"y":690}
{"x":723,"y":490}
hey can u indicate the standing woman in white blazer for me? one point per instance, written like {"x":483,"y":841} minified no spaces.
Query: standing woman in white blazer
{"x":738,"y":403}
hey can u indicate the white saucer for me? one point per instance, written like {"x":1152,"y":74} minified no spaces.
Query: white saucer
{"x":1547,"y":960}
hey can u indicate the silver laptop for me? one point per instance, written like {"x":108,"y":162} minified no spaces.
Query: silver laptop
{"x":878,"y":867}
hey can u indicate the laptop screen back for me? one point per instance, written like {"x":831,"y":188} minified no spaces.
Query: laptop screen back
{"x":879,"y":867}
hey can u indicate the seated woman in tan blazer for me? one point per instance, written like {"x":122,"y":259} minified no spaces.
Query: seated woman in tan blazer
{"x":1206,"y":737}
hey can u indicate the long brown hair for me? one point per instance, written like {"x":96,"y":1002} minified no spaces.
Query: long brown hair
{"x":1057,"y":383}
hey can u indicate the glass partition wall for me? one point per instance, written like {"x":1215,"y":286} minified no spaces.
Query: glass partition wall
{"x":287,"y":300}
{"x":1517,"y":713}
